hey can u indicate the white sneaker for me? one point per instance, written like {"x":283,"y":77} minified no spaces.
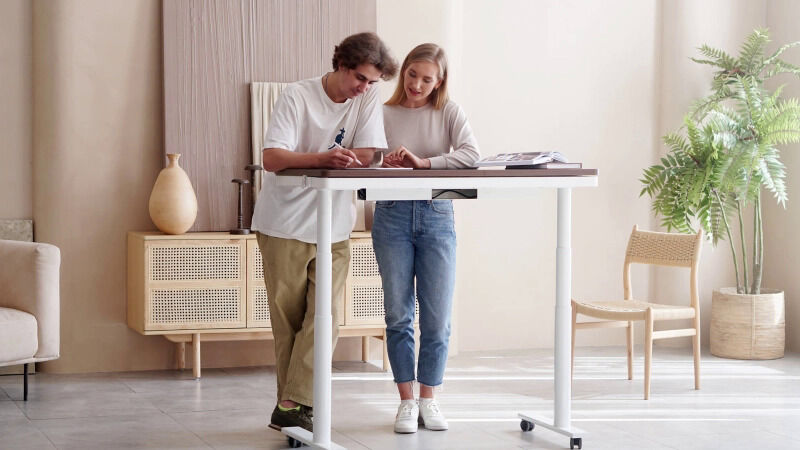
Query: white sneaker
{"x":407,"y":414}
{"x":430,"y":416}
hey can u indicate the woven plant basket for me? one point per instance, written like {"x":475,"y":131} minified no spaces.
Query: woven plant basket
{"x":745,"y":326}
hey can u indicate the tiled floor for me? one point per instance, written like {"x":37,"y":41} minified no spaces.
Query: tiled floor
{"x":742,"y":405}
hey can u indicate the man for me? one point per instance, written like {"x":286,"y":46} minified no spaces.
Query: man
{"x":332,"y":121}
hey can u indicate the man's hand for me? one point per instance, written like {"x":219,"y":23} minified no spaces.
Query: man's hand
{"x":338,"y":158}
{"x":403,"y":157}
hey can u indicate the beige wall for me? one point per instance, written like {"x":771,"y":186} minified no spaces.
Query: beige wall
{"x":441,"y":23}
{"x":98,"y":146}
{"x":16,"y":188}
{"x":571,"y":76}
{"x":781,"y":241}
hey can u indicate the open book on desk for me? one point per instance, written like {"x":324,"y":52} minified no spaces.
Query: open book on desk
{"x":550,"y":165}
{"x":528,"y":160}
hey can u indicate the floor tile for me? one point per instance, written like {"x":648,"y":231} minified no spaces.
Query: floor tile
{"x":239,"y":429}
{"x":3,"y":395}
{"x":202,"y":398}
{"x":45,"y":386}
{"x":133,"y":431}
{"x":9,"y":411}
{"x":74,"y":405}
{"x":20,"y":433}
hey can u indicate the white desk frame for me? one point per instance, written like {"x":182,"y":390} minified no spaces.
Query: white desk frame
{"x":419,"y":188}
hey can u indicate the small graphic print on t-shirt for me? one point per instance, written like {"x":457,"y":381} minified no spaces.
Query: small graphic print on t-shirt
{"x":339,"y":139}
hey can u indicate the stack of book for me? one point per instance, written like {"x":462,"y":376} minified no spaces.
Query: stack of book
{"x":529,"y":160}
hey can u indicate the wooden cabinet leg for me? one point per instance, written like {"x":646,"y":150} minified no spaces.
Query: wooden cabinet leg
{"x":196,"y":351}
{"x":365,"y":348}
{"x":385,"y":353}
{"x":180,"y":355}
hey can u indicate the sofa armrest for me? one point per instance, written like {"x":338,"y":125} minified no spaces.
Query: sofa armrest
{"x":29,"y":281}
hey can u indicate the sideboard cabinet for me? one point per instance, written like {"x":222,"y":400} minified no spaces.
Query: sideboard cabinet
{"x":210,"y":287}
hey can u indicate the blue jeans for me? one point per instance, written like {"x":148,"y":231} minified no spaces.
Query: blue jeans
{"x":416,"y":239}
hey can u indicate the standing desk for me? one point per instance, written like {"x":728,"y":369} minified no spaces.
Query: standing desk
{"x":399,"y":184}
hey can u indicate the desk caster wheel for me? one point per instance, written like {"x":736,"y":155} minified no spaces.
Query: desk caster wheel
{"x":526,"y":426}
{"x":294,"y":443}
{"x":575,"y":442}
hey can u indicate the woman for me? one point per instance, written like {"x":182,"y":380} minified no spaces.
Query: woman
{"x":416,"y":239}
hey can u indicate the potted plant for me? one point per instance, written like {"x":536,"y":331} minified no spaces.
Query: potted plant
{"x":718,"y":168}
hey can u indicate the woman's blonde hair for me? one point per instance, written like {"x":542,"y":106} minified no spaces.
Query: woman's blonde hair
{"x":423,"y":52}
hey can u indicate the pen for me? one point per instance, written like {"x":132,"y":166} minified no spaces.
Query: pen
{"x":336,"y":145}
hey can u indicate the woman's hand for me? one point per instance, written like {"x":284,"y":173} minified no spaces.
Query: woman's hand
{"x":402,"y":157}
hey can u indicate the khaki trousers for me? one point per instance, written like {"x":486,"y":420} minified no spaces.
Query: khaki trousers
{"x":290,"y":277}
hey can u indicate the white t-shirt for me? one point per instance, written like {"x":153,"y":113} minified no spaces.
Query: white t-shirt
{"x":306,"y":120}
{"x":442,"y":135}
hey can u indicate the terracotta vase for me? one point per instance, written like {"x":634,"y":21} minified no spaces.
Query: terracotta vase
{"x":173,"y":205}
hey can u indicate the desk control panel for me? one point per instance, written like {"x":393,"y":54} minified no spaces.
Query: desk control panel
{"x":435,"y":194}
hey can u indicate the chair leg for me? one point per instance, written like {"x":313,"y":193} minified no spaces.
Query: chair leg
{"x":629,"y":332}
{"x":25,"y":382}
{"x":572,"y":349}
{"x":648,"y":350}
{"x":696,"y":348}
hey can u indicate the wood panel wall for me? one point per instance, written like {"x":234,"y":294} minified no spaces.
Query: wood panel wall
{"x":212,"y":51}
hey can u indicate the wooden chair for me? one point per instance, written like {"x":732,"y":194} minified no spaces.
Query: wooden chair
{"x":663,"y":249}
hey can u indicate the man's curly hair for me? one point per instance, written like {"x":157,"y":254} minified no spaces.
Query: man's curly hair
{"x":365,"y":48}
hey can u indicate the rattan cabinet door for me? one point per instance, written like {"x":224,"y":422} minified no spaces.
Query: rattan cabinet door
{"x":257,"y":304}
{"x":195,"y":284}
{"x":363,"y":289}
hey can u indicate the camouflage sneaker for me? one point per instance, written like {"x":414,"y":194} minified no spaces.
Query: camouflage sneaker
{"x":296,"y":417}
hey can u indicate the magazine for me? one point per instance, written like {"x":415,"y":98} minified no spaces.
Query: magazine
{"x":551,"y":165}
{"x":521,"y":159}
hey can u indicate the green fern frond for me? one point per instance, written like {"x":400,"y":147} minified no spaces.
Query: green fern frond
{"x":774,"y":57}
{"x":706,"y":62}
{"x":781,"y":66}
{"x":700,"y":108}
{"x":773,"y":173}
{"x":780,"y":123}
{"x":751,"y":58}
{"x":717,"y":58}
{"x":676,"y":142}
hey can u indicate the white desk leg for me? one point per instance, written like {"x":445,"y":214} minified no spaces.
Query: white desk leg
{"x":563,"y":323}
{"x":323,"y":323}
{"x":563,"y":319}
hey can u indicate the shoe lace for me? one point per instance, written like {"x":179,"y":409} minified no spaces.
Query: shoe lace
{"x":433,"y":407}
{"x":406,"y":410}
